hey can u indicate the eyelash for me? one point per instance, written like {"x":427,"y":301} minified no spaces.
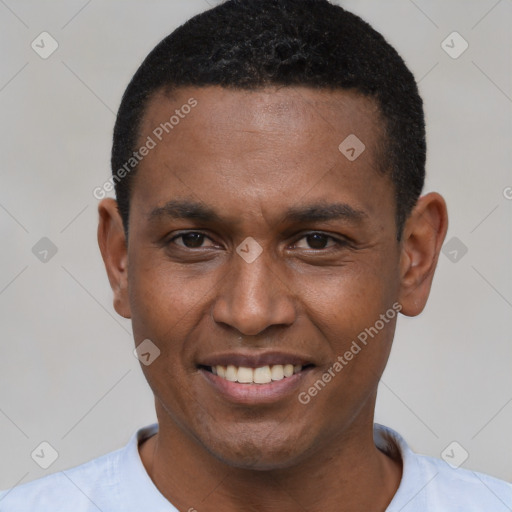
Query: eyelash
{"x":338,"y":242}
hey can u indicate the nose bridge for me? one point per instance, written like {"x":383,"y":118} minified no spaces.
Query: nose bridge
{"x":253,"y":296}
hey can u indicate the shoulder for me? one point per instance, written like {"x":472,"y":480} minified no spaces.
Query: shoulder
{"x":462,"y":489}
{"x":115,"y":481}
{"x":433,"y":484}
{"x":81,"y":486}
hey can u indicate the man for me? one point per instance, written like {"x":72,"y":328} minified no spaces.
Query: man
{"x":268,"y":159}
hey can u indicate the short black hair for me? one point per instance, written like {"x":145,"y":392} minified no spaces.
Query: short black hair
{"x":251,"y":44}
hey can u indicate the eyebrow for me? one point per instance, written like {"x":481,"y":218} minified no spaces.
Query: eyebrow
{"x":324,"y":212}
{"x":316,"y":212}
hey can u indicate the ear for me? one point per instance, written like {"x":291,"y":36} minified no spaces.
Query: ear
{"x":422,"y":239}
{"x":113,"y":247}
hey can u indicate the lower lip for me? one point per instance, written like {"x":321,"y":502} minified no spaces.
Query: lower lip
{"x":255,"y":393}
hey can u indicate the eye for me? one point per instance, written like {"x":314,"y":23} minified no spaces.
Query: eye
{"x":314,"y":241}
{"x":318,"y":241}
{"x":190,"y":240}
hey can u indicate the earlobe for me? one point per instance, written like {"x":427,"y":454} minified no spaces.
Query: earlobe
{"x":113,"y":247}
{"x":423,"y":237}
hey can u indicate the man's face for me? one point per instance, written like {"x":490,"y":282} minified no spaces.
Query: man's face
{"x":269,"y":280}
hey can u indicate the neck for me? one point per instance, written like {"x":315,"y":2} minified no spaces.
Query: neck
{"x":353,"y":473}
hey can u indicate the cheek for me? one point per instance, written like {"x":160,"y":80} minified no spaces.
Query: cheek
{"x":152,"y":302}
{"x":166,"y":310}
{"x":356,"y":315}
{"x":345,"y":308}
{"x":351,"y":297}
{"x":168,"y":306}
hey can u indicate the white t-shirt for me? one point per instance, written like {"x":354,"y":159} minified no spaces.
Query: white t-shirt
{"x":118,"y":481}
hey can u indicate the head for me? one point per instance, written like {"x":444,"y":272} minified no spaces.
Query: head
{"x":273,"y":217}
{"x":290,"y":43}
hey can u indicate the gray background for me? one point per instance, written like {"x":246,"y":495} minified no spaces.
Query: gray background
{"x":68,"y":375}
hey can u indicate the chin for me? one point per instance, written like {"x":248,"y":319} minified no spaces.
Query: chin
{"x":259,"y":450}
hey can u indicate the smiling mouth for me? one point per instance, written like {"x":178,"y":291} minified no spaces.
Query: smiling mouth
{"x":261,"y":375}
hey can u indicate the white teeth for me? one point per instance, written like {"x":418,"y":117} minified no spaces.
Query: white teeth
{"x":231,"y":373}
{"x":288,"y":370}
{"x":277,"y":372}
{"x":261,"y":375}
{"x":245,"y":375}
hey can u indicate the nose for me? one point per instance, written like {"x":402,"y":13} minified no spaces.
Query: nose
{"x":254,"y":296}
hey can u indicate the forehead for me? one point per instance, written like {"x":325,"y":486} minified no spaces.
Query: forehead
{"x":292,"y":112}
{"x":261,"y":145}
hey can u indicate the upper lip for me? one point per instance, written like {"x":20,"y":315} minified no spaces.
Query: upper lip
{"x":254,"y":360}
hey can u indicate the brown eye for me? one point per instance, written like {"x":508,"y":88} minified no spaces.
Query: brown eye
{"x":190,"y":240}
{"x":317,"y":241}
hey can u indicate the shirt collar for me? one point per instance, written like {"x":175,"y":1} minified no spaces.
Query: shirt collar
{"x":137,"y":484}
{"x":414,"y":478}
{"x":134,"y":480}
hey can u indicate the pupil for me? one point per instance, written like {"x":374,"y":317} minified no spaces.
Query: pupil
{"x":317,"y":241}
{"x":192,"y":240}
